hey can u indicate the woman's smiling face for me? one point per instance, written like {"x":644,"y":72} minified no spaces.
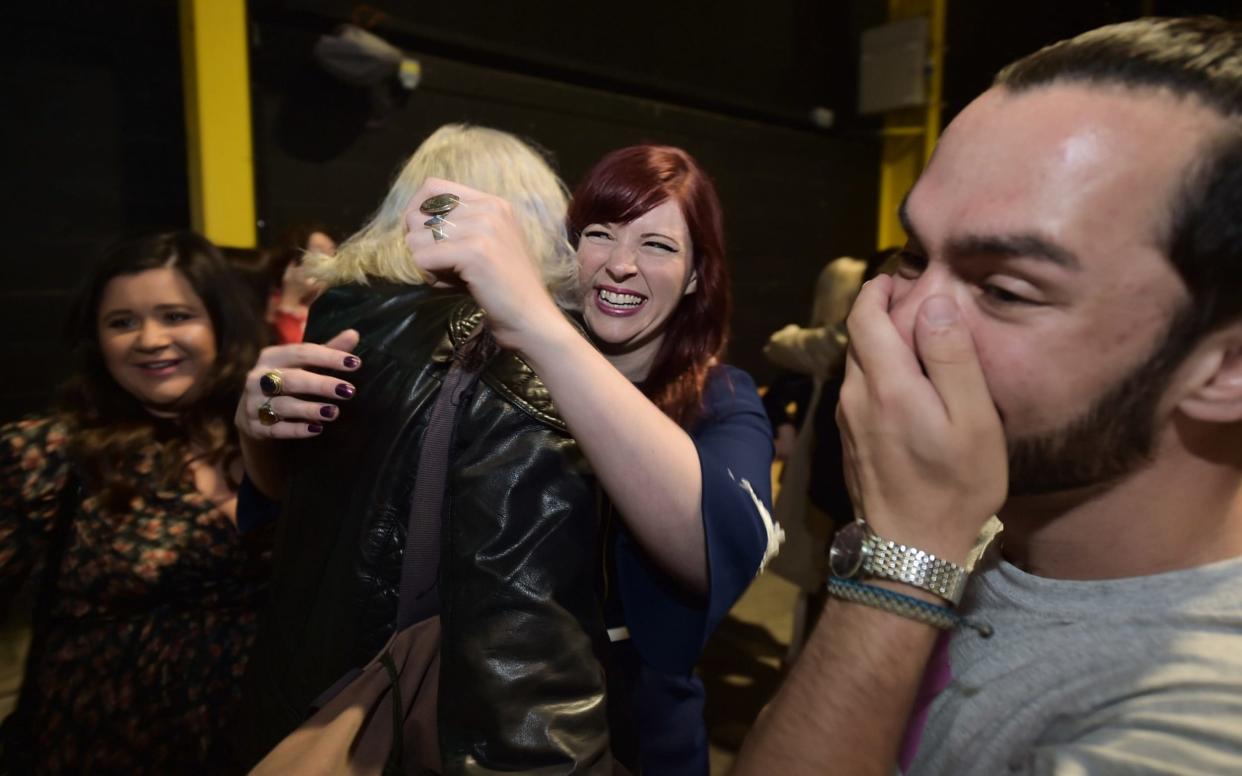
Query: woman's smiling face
{"x":156,"y":337}
{"x":632,"y":277}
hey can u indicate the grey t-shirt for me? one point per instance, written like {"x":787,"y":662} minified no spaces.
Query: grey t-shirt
{"x":1126,"y":676}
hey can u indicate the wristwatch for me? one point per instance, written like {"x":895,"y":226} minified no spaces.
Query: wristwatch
{"x":857,"y":552}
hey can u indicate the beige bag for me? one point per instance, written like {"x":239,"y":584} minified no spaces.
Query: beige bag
{"x":352,"y":735}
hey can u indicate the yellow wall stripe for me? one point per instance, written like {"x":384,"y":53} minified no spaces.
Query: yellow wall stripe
{"x":216,"y":73}
{"x":910,"y":135}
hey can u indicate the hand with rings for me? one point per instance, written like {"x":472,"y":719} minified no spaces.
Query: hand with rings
{"x":438,"y":206}
{"x":283,"y":399}
{"x":485,"y":249}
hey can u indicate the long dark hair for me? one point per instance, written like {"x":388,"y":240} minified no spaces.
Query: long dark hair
{"x":109,"y":426}
{"x":625,"y":185}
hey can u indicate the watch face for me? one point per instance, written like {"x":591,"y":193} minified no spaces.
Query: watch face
{"x":846,"y":555}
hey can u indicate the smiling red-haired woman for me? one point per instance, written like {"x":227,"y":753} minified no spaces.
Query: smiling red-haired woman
{"x":629,"y":183}
{"x":679,"y":440}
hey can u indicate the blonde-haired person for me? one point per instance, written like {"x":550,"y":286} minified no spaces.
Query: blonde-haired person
{"x":486,"y":159}
{"x":815,"y":353}
{"x":520,"y":686}
{"x":818,"y":349}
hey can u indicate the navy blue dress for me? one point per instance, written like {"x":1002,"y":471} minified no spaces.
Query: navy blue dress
{"x":654,"y":668}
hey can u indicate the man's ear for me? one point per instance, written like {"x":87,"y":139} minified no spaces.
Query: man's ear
{"x":1212,"y":390}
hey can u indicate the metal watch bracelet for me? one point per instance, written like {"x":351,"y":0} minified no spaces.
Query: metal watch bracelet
{"x":912,"y":566}
{"x":858,"y":552}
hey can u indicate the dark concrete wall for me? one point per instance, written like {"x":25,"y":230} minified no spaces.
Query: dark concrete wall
{"x":95,"y":142}
{"x":94,"y":147}
{"x":734,"y":89}
{"x":983,"y":35}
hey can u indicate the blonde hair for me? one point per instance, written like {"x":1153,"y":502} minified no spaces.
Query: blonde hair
{"x":485,"y":159}
{"x":835,"y":290}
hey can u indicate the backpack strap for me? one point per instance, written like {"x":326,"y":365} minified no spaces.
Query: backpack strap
{"x":420,"y":566}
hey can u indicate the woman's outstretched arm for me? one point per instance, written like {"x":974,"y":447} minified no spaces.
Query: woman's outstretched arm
{"x":648,"y":465}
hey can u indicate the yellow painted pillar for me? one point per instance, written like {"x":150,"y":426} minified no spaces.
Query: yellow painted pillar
{"x":935,"y":76}
{"x":901,"y":160}
{"x":910,"y":134}
{"x":216,"y":73}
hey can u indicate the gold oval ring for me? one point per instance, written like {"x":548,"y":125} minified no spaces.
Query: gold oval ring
{"x":272,"y":383}
{"x":267,"y":415}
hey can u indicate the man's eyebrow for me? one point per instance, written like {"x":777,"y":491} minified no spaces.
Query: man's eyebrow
{"x":1027,"y":246}
{"x":1030,"y":246}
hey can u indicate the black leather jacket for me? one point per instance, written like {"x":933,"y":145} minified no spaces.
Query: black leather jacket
{"x":521,"y":688}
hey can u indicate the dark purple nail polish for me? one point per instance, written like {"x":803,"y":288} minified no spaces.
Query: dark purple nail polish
{"x":352,"y":362}
{"x":345,"y":391}
{"x":328,"y":411}
{"x":314,"y":428}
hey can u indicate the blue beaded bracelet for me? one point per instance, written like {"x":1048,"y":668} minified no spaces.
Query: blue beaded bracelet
{"x":906,"y":606}
{"x":887,"y":600}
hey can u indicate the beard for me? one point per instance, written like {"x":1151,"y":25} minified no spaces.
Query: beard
{"x":1115,"y":435}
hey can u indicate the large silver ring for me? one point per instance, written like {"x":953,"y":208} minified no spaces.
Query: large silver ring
{"x":439,"y":205}
{"x":267,"y":415}
{"x":436,"y":225}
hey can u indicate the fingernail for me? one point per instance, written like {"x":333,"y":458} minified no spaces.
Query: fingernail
{"x":345,"y":391}
{"x":352,"y":362}
{"x":314,"y":428}
{"x":939,"y":310}
{"x":328,"y":411}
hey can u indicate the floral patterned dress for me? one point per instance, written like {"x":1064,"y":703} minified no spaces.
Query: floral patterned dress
{"x":152,"y":620}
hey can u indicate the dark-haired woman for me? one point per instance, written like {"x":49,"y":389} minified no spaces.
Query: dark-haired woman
{"x":120,"y":507}
{"x":679,"y":440}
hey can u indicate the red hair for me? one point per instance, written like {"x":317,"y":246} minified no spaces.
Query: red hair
{"x":629,"y":183}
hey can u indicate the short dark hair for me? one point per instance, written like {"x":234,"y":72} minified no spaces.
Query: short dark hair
{"x":1199,"y":57}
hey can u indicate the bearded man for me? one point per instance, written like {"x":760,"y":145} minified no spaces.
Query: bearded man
{"x":1061,"y":345}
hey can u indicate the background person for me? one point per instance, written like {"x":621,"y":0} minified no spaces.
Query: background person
{"x":120,"y":507}
{"x":813,"y":355}
{"x":291,"y":287}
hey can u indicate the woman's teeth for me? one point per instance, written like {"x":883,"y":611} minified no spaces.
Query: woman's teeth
{"x":617,"y":299}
